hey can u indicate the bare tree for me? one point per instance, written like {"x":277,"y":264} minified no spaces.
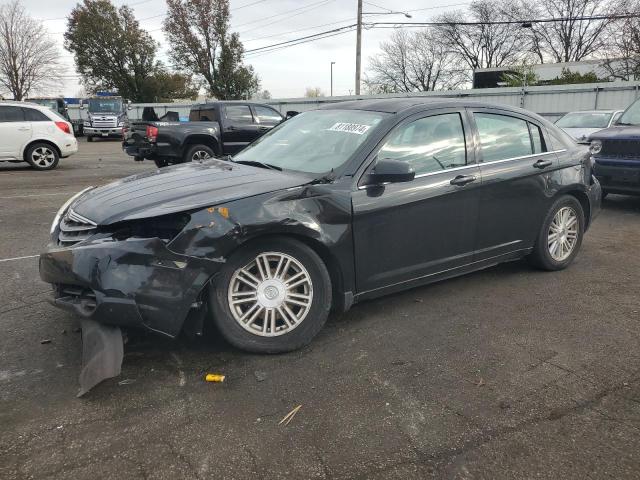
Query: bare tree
{"x":569,"y":39}
{"x":622,"y":58}
{"x":413,"y":62}
{"x":481,"y":44}
{"x":28,"y":58}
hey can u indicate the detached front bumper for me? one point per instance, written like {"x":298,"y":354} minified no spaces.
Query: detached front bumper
{"x":131,"y":283}
{"x":103,"y":132}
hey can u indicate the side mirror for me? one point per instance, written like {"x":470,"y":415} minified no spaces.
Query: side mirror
{"x":290,"y":114}
{"x":389,"y":170}
{"x":81,"y":106}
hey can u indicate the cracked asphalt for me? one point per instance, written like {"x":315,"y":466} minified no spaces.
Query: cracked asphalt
{"x":503,"y":374}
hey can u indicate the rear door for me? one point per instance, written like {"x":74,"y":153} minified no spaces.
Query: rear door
{"x":515,"y":162}
{"x":266,"y":117}
{"x":239,"y":128}
{"x":15,"y":132}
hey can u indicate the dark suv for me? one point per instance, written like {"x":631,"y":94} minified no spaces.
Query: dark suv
{"x":616,"y":154}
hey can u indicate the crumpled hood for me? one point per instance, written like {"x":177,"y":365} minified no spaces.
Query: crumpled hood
{"x":631,"y":132}
{"x":179,"y":188}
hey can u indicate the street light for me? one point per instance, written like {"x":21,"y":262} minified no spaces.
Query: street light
{"x":359,"y":38}
{"x":332,"y":64}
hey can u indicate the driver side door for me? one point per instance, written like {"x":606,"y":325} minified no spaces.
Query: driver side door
{"x":414,"y":231}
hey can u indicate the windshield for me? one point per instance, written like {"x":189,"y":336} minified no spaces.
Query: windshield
{"x":105,"y":105}
{"x":585,"y":120}
{"x":313,"y":142}
{"x":631,"y":115}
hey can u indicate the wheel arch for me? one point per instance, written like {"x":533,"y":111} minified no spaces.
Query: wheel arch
{"x":33,"y":142}
{"x":583,"y":198}
{"x":200,"y":139}
{"x":339,"y":302}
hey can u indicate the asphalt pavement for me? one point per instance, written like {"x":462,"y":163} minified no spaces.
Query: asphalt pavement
{"x":507,"y":373}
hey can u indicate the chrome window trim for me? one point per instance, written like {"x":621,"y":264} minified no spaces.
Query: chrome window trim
{"x":480,"y":164}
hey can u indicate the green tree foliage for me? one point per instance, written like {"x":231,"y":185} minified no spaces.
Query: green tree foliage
{"x":202,"y":45}
{"x":112,"y":52}
{"x":520,"y":76}
{"x":568,"y":77}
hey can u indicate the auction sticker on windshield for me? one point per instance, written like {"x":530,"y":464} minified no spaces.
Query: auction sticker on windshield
{"x":356,"y":128}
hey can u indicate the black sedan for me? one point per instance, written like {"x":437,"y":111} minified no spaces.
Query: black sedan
{"x":337,"y":205}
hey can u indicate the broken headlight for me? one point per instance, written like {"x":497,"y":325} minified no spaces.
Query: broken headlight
{"x":595,"y":147}
{"x":166,"y":227}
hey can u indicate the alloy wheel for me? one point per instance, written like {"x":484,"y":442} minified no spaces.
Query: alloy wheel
{"x":43,"y":157}
{"x":200,"y":155}
{"x":563,"y":234}
{"x":271,"y":295}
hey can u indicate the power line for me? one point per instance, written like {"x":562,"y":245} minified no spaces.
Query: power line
{"x":375,"y":25}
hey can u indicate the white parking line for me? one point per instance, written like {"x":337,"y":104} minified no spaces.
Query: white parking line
{"x":17,"y":258}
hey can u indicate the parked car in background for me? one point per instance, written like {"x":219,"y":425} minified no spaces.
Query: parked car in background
{"x":34,"y":134}
{"x":106,"y":116}
{"x":214,"y":129}
{"x":59,"y":105}
{"x":337,"y":205}
{"x":616,"y":153}
{"x":583,"y":123}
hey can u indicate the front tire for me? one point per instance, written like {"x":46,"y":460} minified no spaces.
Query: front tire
{"x":271,"y":296}
{"x":89,"y":138}
{"x":198,"y":153}
{"x":42,"y":156}
{"x":560,"y":236}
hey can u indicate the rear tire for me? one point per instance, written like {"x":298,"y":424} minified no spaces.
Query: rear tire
{"x":42,"y":156}
{"x":604,"y":194}
{"x":198,"y":153}
{"x":278,"y":313}
{"x":560,"y":235}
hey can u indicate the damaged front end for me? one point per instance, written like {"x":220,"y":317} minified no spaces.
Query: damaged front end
{"x":126,"y":274}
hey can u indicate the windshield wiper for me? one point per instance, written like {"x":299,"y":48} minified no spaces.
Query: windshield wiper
{"x":255,"y":163}
{"x":625,"y":124}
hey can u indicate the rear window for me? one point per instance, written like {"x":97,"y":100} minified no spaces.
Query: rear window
{"x":33,"y":115}
{"x":585,"y":120}
{"x":10,"y":113}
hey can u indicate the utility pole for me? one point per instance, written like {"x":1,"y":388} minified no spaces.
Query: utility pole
{"x":332,"y":64}
{"x":358,"y":47}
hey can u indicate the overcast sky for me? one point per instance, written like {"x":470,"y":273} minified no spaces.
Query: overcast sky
{"x":286,"y":72}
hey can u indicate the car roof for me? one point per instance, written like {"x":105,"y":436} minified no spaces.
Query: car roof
{"x":201,"y":106}
{"x":398,"y":105}
{"x":593,"y":111}
{"x":14,"y":103}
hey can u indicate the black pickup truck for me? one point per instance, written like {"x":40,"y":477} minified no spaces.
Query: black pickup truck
{"x":214,"y":129}
{"x":616,"y":154}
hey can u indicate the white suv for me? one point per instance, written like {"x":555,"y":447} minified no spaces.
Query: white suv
{"x":34,"y":134}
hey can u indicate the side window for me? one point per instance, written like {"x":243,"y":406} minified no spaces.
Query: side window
{"x":430,"y":144}
{"x":238,"y":114}
{"x":33,"y":115}
{"x":267,"y":115}
{"x":11,"y":114}
{"x":194,"y":115}
{"x":208,"y":115}
{"x":502,"y":137}
{"x":537,"y":139}
{"x":616,"y":117}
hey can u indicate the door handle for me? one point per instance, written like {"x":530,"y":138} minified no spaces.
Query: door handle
{"x":543,"y":164}
{"x":462,"y":180}
{"x":263,"y":128}
{"x":231,"y":127}
{"x":23,"y":129}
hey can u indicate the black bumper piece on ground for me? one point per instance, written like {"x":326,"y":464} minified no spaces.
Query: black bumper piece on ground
{"x":132,"y":283}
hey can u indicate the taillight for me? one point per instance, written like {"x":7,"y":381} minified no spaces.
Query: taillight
{"x":64,"y":126}
{"x":152,"y":133}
